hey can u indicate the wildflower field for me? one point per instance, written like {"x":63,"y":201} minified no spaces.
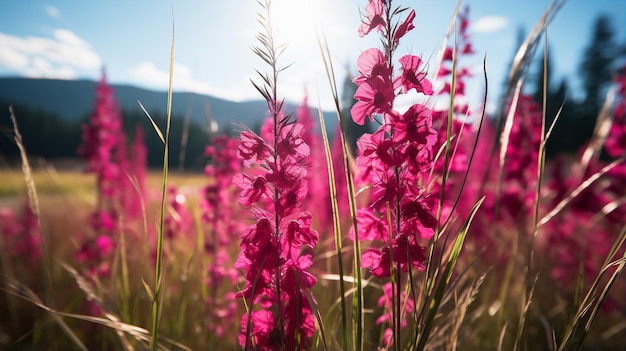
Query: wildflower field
{"x":441,"y":227}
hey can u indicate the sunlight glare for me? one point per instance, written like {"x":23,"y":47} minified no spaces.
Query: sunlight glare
{"x":295,"y":21}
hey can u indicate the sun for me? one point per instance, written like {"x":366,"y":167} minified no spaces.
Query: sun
{"x":295,"y":20}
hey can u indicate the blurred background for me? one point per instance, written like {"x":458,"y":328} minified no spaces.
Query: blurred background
{"x":53,"y":52}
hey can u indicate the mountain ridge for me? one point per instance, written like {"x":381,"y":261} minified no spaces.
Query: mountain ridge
{"x":72,"y":100}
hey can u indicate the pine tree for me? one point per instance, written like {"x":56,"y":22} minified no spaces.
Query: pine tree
{"x":596,"y":65}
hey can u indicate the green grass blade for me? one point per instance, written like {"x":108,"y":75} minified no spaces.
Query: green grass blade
{"x":337,"y":230}
{"x":445,"y":278}
{"x":573,"y":335}
{"x":156,"y":127}
{"x":33,"y":201}
{"x":358,"y":279}
{"x":156,"y":304}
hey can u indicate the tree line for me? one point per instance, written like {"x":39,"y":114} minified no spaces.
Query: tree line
{"x":46,"y":135}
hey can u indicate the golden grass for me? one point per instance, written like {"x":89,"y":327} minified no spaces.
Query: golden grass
{"x":79,"y":184}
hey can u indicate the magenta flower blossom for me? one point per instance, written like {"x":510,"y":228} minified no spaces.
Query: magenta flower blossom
{"x":317,"y":196}
{"x":252,"y":147}
{"x":292,"y":143}
{"x":19,"y":234}
{"x":222,"y":165}
{"x":299,"y":233}
{"x":254,"y":188}
{"x":371,"y":226}
{"x":374,"y":17}
{"x":406,"y":252}
{"x":104,"y":147}
{"x":404,"y":28}
{"x":276,"y":277}
{"x":97,"y":255}
{"x":413,"y":78}
{"x":264,"y":330}
{"x":372,"y":63}
{"x":396,"y":159}
{"x":374,"y":96}
{"x":385,"y":301}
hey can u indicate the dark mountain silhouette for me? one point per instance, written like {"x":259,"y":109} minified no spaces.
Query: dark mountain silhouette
{"x":72,"y":100}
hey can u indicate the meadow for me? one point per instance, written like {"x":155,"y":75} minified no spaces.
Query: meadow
{"x":444,"y":229}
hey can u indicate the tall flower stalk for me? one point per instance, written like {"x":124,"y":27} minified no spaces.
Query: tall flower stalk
{"x":395,"y":157}
{"x":102,"y":147}
{"x":277,"y":291}
{"x":220,"y":273}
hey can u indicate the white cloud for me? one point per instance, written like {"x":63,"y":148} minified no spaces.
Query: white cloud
{"x":52,"y":11}
{"x":59,"y":57}
{"x":489,"y":24}
{"x":147,"y":74}
{"x":68,"y":37}
{"x":12,"y":58}
{"x":41,"y":63}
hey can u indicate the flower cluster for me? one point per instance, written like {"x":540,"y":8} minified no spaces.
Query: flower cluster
{"x":454,"y":68}
{"x":102,"y":146}
{"x":570,"y":250}
{"x":318,"y":196}
{"x":221,"y":275}
{"x":276,"y":275}
{"x":19,"y":234}
{"x":522,"y":156}
{"x":101,"y":137}
{"x":394,"y":157}
{"x":460,"y":109}
{"x":277,"y":290}
{"x":118,"y":204}
{"x":386,"y":301}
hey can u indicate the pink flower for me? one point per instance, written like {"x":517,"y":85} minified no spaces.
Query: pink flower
{"x":377,"y":151}
{"x":394,"y":158}
{"x":371,"y":227}
{"x":377,"y":262}
{"x":262,"y":332}
{"x":372,"y":63}
{"x":374,"y":96}
{"x":412,"y":77}
{"x":292,"y":143}
{"x":105,"y":245}
{"x":257,"y":238}
{"x":252,"y":147}
{"x":406,"y":251}
{"x":252,"y":188}
{"x":386,"y":301}
{"x":404,"y":28}
{"x":415,"y":125}
{"x":291,"y":199}
{"x":375,"y":17}
{"x":285,"y":173}
{"x":104,"y":221}
{"x":298,"y":233}
{"x":418,"y":218}
{"x":270,"y":252}
{"x":387,"y":190}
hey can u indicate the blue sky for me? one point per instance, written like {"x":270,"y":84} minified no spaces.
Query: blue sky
{"x":74,"y":39}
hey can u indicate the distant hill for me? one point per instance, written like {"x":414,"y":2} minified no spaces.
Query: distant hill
{"x":73,"y":100}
